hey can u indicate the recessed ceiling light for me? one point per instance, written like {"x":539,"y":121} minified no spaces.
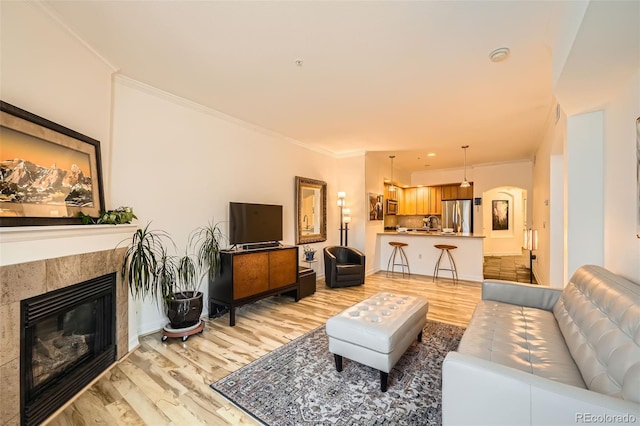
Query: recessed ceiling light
{"x":431,"y":154}
{"x":299,"y":62}
{"x":500,"y":54}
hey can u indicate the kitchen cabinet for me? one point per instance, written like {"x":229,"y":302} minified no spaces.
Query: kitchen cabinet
{"x":426,"y":200}
{"x":400,"y":199}
{"x":466,"y":193}
{"x":410,"y":201}
{"x":422,"y":200}
{"x":390,"y":195}
{"x":449,"y":192}
{"x":435,"y":198}
{"x":455,"y":192}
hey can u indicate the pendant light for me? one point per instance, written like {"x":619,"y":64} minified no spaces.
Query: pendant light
{"x":392,"y":188}
{"x":465,"y":183}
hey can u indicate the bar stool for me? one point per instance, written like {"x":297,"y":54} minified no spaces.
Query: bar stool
{"x":446,"y":249}
{"x":404,"y":262}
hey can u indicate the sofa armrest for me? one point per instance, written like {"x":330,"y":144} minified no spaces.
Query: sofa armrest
{"x":533,"y":296}
{"x":480,"y":392}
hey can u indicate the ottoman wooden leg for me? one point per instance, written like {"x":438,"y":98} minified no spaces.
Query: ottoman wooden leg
{"x":338,"y":359}
{"x":384,"y":377}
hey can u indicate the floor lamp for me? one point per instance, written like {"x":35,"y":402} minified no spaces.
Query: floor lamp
{"x":346,"y":219}
{"x":531,"y":244}
{"x":341,"y":203}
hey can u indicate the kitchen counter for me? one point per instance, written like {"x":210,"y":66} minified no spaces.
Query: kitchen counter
{"x":432,"y":234}
{"x":422,"y":254}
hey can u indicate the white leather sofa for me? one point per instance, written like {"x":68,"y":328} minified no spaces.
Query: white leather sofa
{"x":539,"y":356}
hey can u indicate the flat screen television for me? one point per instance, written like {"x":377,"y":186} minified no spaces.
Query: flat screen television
{"x":254,"y":223}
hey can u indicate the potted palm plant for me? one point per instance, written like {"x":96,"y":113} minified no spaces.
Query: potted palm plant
{"x":174,"y":281}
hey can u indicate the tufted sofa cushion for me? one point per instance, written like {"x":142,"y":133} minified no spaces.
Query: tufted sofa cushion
{"x":520,"y":337}
{"x":599,"y":316}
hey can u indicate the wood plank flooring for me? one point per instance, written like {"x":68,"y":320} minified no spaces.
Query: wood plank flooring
{"x":167,"y":383}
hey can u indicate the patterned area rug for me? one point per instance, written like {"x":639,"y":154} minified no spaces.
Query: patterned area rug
{"x":297,"y":384}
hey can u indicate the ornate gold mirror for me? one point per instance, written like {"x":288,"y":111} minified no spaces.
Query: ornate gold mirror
{"x":311,"y":205}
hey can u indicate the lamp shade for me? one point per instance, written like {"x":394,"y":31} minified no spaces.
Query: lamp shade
{"x":346,"y":219}
{"x":531,"y":240}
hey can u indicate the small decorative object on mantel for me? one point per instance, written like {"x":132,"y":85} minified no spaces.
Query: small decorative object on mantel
{"x":113,"y":217}
{"x":309,"y":252}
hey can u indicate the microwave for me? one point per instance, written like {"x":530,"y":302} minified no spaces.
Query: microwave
{"x":392,"y":207}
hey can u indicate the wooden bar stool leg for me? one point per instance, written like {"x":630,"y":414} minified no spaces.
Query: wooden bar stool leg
{"x":453,"y":276}
{"x":406,"y":262}
{"x":454,"y":268}
{"x":437,"y":268}
{"x":392,"y":260}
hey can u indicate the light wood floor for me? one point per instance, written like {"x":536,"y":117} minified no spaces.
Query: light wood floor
{"x":168,"y":383}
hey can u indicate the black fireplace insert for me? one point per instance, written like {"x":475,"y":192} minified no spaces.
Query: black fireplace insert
{"x":67,"y":340}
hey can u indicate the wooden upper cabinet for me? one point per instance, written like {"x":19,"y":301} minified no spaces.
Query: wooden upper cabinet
{"x":401,"y":202}
{"x":435,"y":198}
{"x":389,"y":195}
{"x":466,"y":192}
{"x":449,"y":192}
{"x":410,"y":201}
{"x":423,"y":200}
{"x":454,"y":192}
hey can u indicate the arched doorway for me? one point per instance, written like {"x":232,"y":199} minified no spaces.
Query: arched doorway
{"x":504,"y":219}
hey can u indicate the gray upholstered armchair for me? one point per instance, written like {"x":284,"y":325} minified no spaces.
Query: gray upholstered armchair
{"x":343,"y":266}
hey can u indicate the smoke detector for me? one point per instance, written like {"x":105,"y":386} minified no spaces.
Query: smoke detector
{"x":499,"y":55}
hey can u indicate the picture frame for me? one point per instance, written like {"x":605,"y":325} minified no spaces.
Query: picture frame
{"x":49,"y":172}
{"x":376,"y":206}
{"x":500,"y":215}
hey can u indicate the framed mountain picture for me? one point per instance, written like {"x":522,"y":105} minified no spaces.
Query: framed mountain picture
{"x":48,"y":173}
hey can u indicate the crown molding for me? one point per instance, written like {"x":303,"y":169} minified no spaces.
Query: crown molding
{"x":54,"y":16}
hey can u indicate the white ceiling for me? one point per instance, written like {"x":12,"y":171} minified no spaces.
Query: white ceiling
{"x":402,"y":78}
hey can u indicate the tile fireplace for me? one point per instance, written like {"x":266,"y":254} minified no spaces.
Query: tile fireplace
{"x":62,"y":320}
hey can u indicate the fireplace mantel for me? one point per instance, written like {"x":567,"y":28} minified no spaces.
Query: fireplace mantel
{"x":28,"y":243}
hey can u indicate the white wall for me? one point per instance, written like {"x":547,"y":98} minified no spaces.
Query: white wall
{"x":621,"y":247}
{"x":179,"y":165}
{"x":47,"y":71}
{"x":547,"y":203}
{"x":584,"y":196}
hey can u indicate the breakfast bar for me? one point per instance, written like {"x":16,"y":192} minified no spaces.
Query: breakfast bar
{"x":422,"y":255}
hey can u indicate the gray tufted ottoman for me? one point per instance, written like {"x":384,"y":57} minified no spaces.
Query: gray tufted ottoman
{"x":377,"y":331}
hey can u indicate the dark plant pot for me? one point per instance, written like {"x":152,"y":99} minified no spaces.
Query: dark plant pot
{"x":184,"y":309}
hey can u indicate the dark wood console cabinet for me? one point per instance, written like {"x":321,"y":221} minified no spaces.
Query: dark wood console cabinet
{"x":250,"y":275}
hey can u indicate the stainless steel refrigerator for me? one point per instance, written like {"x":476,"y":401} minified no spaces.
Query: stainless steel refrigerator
{"x":458,"y":215}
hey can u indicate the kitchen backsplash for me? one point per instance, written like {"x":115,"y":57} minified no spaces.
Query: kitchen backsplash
{"x":405,"y":221}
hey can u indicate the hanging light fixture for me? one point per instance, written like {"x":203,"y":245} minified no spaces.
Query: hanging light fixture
{"x":392,"y":188}
{"x":465,"y":183}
